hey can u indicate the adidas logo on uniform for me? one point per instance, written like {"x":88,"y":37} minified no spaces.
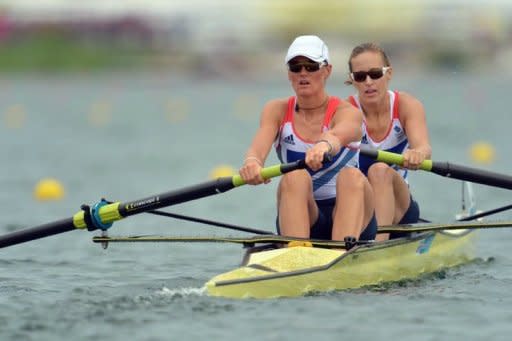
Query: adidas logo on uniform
{"x":289,"y":139}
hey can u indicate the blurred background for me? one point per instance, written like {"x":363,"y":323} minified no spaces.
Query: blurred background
{"x":124,"y":99}
{"x":228,"y":37}
{"x":127,"y":98}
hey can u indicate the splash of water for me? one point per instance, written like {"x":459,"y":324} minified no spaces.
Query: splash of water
{"x":181,"y":292}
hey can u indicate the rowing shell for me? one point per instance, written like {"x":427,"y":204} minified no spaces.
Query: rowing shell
{"x":296,"y":271}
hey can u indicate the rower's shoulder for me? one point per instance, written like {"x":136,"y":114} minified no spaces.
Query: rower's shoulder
{"x":409,"y":107}
{"x":345,"y":106}
{"x":278,"y":101}
{"x":406,"y":98}
{"x":344,"y":103}
{"x":275,"y":110}
{"x":276,"y":104}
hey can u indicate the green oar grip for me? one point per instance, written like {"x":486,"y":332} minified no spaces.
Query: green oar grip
{"x":398,"y":159}
{"x":272,"y":171}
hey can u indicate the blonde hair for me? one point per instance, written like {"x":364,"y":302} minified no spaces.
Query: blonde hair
{"x":365,"y":47}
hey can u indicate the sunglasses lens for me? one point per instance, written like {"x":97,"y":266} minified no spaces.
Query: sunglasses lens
{"x":360,"y":76}
{"x":375,"y":74}
{"x":295,"y":68}
{"x":310,"y":67}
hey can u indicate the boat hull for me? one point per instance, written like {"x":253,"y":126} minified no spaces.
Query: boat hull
{"x":296,"y":271}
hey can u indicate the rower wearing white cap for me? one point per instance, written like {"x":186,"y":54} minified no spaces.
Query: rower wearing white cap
{"x":330,"y":200}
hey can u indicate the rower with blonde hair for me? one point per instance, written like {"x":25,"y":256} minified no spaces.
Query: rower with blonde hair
{"x":393,"y":121}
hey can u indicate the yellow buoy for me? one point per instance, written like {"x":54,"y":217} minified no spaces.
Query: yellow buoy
{"x":15,"y":116}
{"x":482,"y":152}
{"x":222,"y":170}
{"x":48,"y":189}
{"x":100,"y":114}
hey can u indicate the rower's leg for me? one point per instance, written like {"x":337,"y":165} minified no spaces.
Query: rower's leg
{"x":392,"y":197}
{"x":354,"y":204}
{"x":297,"y":208}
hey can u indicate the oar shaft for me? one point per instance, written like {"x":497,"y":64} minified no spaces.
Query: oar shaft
{"x":211,"y":222}
{"x":205,"y":189}
{"x":36,"y":232}
{"x":480,"y":225}
{"x":179,"y":196}
{"x":480,"y":176}
{"x":486,"y":213}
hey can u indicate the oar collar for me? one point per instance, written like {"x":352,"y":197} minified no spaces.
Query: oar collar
{"x":92,"y":216}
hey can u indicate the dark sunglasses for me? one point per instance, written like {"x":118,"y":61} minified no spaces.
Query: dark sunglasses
{"x":360,"y":76}
{"x":310,"y":67}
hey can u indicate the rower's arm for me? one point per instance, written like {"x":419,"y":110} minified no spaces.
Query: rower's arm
{"x":412,"y":115}
{"x":268,"y":129}
{"x":346,"y":127}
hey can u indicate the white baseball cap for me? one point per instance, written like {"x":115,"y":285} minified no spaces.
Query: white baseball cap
{"x":310,"y":47}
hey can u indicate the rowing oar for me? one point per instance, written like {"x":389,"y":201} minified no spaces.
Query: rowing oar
{"x":211,"y":222}
{"x":446,"y":169}
{"x":103,"y":214}
{"x":440,"y":227}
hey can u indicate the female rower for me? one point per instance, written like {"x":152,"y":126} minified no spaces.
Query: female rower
{"x":393,"y":121}
{"x":331,"y":199}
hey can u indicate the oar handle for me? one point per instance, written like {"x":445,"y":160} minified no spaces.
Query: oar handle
{"x":273,"y":171}
{"x":36,"y":232}
{"x":392,"y":158}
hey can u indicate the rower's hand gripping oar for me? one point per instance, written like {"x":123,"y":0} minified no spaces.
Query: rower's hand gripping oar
{"x":103,"y":214}
{"x":446,"y":169}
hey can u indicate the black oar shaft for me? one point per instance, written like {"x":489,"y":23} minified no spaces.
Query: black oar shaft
{"x":486,"y":213}
{"x":37,"y":232}
{"x":211,"y":222}
{"x":480,"y":225}
{"x":179,"y":196}
{"x":465,"y":173}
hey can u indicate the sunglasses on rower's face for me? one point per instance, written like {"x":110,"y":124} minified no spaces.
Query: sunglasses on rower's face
{"x":360,"y":76}
{"x":310,"y":67}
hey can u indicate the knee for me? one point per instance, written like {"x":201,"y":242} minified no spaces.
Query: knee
{"x":351,"y":178}
{"x":380,"y":173}
{"x":295,"y":180}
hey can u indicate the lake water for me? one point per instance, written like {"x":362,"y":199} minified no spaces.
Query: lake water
{"x":128,"y":136}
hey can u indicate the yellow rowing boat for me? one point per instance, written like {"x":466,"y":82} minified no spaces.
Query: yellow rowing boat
{"x":296,"y":271}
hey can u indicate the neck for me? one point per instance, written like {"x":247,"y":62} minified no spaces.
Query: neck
{"x":376,"y":108}
{"x":311,"y":104}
